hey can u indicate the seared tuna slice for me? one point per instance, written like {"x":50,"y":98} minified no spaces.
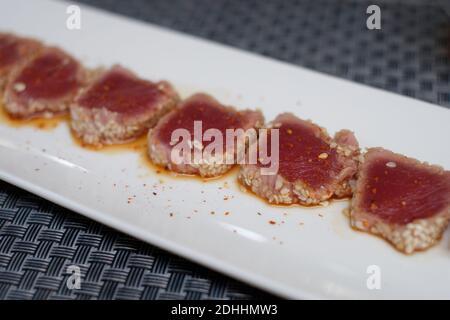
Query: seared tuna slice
{"x":312,"y":168}
{"x":14,"y":51}
{"x":213,"y":115}
{"x":118,"y":107}
{"x":401,"y":199}
{"x":44,"y":86}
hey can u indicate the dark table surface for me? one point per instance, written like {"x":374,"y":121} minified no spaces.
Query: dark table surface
{"x":409,"y":55}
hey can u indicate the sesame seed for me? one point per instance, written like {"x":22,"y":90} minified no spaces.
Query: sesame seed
{"x":323,"y":155}
{"x":391,"y":164}
{"x":19,"y":86}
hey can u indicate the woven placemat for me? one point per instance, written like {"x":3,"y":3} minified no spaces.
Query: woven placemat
{"x":39,"y":241}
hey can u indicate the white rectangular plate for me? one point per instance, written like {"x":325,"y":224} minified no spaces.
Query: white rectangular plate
{"x":308,"y":253}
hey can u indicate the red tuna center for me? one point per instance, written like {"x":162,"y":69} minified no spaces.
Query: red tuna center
{"x":211,"y":115}
{"x":122,"y":93}
{"x":400,"y":192}
{"x":9,"y":53}
{"x":305,"y":156}
{"x":50,"y":76}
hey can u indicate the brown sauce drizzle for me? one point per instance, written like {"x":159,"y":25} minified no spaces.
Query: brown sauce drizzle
{"x":139,"y":146}
{"x":38,"y":123}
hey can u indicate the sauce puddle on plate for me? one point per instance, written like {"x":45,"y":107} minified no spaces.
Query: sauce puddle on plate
{"x":38,"y":123}
{"x":139,"y":146}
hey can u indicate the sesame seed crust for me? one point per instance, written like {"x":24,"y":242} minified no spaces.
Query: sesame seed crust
{"x":99,"y":126}
{"x":160,"y":155}
{"x":416,"y":235}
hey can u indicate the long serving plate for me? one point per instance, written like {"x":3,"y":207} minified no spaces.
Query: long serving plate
{"x":294,"y":252}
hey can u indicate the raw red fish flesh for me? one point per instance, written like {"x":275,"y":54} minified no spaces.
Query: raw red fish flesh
{"x":14,"y":51}
{"x":44,"y":86}
{"x":118,"y":106}
{"x":312,"y":168}
{"x":213,"y":115}
{"x":401,"y":199}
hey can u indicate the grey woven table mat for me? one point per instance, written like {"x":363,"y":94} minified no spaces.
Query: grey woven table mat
{"x":409,"y":55}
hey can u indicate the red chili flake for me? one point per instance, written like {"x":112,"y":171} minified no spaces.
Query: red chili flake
{"x":227,"y":213}
{"x":272,"y":222}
